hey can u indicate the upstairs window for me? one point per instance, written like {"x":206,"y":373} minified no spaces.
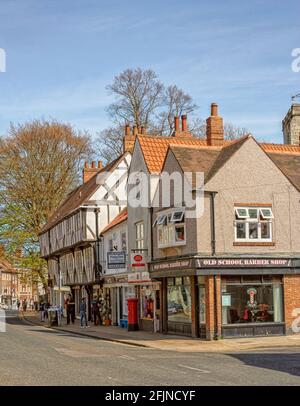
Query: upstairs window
{"x":170,"y":229}
{"x":253,"y":224}
{"x":139,"y":235}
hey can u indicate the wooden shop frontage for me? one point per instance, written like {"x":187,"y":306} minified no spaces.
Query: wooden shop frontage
{"x":216,"y":297}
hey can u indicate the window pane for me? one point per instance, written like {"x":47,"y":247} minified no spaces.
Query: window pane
{"x":266,"y":213}
{"x":177,"y":216}
{"x":202,"y":310}
{"x":252,"y":213}
{"x":240,"y":230}
{"x":179,"y":303}
{"x":160,"y":235}
{"x":179,"y":233}
{"x":171,"y":234}
{"x":277,"y":299}
{"x":241,"y":213}
{"x":265,"y":230}
{"x":252,"y":304}
{"x":253,"y":230}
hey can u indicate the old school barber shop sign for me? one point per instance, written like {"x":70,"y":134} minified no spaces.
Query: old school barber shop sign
{"x":243,"y":262}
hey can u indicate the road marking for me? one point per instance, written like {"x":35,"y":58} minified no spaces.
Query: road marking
{"x":127,"y":357}
{"x":204,"y":371}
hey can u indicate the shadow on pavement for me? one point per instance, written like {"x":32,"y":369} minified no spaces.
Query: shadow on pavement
{"x":288,"y":363}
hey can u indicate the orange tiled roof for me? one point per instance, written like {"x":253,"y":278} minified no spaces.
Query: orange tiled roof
{"x":155,"y":148}
{"x":281,"y":148}
{"x":122,"y":216}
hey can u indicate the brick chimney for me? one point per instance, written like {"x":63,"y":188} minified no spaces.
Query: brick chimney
{"x":291,"y":125}
{"x":214,"y":127}
{"x":89,"y":171}
{"x":129,"y":137}
{"x":183,"y":132}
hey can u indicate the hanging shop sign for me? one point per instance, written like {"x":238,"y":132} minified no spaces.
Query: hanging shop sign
{"x":138,"y":277}
{"x":138,"y":260}
{"x":116,"y":259}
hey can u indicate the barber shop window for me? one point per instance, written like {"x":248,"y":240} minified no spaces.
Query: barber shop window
{"x":252,"y":299}
{"x":179,"y":300}
{"x":253,"y":224}
{"x":170,"y":228}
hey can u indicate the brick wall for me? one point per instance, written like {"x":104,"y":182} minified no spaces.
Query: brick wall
{"x":291,"y":300}
{"x":210,"y":306}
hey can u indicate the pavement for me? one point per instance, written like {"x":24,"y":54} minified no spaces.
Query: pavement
{"x":170,"y":342}
{"x":33,"y":355}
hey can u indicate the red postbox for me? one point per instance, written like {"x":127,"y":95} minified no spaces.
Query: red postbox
{"x":133,"y":323}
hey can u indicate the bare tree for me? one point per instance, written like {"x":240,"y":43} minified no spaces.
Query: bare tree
{"x":138,"y":94}
{"x":39,"y":164}
{"x":109,"y":143}
{"x":175,"y":103}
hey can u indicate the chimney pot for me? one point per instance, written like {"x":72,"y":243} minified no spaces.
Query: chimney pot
{"x":93,"y":164}
{"x":183,"y":123}
{"x":214,"y":109}
{"x":142,"y":130}
{"x":176,"y":123}
{"x":135,"y":130}
{"x":86,"y":164}
{"x":127,"y":130}
{"x":99,"y":164}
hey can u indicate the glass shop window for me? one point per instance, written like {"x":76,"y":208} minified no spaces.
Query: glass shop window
{"x":179,"y":300}
{"x":252,"y":303}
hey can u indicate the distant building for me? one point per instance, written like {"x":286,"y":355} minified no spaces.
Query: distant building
{"x":291,"y":125}
{"x":15,"y":286}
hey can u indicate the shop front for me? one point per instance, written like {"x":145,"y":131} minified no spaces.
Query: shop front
{"x":148,"y":295}
{"x":228,"y":297}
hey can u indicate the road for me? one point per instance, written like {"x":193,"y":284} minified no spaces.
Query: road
{"x":33,"y":355}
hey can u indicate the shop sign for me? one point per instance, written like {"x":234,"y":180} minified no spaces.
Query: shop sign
{"x":243,"y":262}
{"x":138,"y":259}
{"x":166,"y":266}
{"x":116,"y":259}
{"x":138,"y":277}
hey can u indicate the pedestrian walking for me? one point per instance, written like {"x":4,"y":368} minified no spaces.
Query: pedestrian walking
{"x":70,"y":308}
{"x":83,"y":317}
{"x":24,"y":305}
{"x":96,"y":312}
{"x":18,"y":304}
{"x":42,"y":311}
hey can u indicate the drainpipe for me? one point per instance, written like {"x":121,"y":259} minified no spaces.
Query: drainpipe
{"x":213,"y":253}
{"x":151,"y":233}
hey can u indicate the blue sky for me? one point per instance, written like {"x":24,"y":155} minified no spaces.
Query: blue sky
{"x":62,"y":54}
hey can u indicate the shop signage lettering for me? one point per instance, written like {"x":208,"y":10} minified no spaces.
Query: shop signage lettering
{"x":242,"y":262}
{"x":172,"y":265}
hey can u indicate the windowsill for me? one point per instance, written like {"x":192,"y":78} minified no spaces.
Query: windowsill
{"x":254,"y":244}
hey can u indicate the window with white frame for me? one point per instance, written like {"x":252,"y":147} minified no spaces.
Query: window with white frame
{"x":253,"y":224}
{"x":139,"y":235}
{"x":170,"y":228}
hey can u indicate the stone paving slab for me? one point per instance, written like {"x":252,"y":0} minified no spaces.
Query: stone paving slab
{"x":170,"y":342}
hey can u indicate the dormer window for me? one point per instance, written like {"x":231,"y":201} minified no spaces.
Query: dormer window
{"x":253,"y":224}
